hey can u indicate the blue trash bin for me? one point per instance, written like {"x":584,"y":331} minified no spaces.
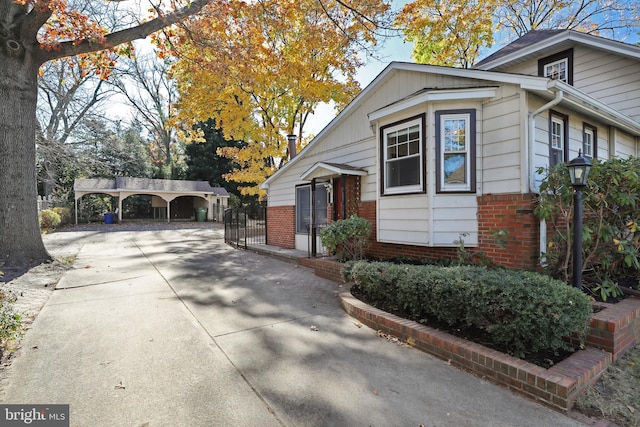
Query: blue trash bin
{"x":109,"y":218}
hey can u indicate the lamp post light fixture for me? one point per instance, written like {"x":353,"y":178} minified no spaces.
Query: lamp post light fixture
{"x":579,"y":169}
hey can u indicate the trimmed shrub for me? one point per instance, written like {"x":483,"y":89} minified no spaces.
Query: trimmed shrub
{"x":520,"y":311}
{"x":65,"y":215}
{"x":348,"y":238}
{"x":49,"y":219}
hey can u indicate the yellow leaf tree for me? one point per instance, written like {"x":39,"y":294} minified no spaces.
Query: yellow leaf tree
{"x":447,"y":32}
{"x":452,"y":32}
{"x":261,"y":68}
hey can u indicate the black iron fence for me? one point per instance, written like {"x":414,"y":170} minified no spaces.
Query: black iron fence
{"x":245,"y":226}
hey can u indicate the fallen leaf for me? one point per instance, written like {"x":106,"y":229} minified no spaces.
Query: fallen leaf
{"x":358,"y":325}
{"x":411,"y":341}
{"x":87,"y":266}
{"x":375,"y":392}
{"x":631,"y":409}
{"x":35,"y":347}
{"x":119,"y":386}
{"x":314,"y":328}
{"x":448,"y":362}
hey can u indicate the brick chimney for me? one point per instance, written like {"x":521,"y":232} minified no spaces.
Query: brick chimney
{"x":292,"y":145}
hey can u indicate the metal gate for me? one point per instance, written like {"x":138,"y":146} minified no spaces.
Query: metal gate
{"x":245,"y":226}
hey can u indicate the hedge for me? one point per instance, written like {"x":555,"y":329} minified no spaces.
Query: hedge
{"x":520,"y":311}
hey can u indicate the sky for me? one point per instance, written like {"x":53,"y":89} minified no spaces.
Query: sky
{"x":394,"y":49}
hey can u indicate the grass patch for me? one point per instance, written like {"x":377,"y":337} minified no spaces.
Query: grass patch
{"x":616,"y":395}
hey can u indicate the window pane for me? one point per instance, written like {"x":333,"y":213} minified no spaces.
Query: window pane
{"x":403,"y":136}
{"x":403,"y":172}
{"x":588,"y":143}
{"x":303,"y":208}
{"x":557,"y":70}
{"x":403,"y":150}
{"x":454,"y":135}
{"x":392,"y":152}
{"x":455,"y":168}
{"x":414,"y":147}
{"x":321,"y":204}
{"x":557,"y":135}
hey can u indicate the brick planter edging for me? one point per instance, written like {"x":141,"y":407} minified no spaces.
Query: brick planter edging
{"x":557,"y":387}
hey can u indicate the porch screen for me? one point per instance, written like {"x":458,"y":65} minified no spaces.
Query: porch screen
{"x":304,"y":205}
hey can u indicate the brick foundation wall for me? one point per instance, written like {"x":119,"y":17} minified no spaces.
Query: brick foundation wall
{"x":557,"y":387}
{"x":616,"y":328}
{"x":281,"y":222}
{"x":511,"y":213}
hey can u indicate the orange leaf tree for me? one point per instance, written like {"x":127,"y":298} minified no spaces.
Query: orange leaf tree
{"x":261,"y":68}
{"x":33,"y":32}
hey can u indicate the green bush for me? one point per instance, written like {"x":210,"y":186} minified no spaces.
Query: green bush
{"x":49,"y":220}
{"x":10,"y":321}
{"x":611,"y":224}
{"x":348,"y":238}
{"x":65,"y":215}
{"x":520,"y":311}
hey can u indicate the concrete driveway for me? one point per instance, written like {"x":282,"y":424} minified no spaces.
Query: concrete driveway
{"x":175,"y":328}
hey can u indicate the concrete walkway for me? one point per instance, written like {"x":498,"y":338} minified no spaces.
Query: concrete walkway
{"x":175,"y":328}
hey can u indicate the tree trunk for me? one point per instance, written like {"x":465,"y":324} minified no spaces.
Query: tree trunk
{"x":21,"y":244}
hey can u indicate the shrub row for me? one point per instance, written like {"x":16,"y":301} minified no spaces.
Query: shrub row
{"x":520,"y":311}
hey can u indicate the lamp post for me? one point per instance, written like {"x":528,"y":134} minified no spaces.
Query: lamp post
{"x":579,"y":173}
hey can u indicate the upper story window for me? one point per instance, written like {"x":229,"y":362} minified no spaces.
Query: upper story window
{"x":402,"y":154}
{"x":558,"y":66}
{"x":557,"y":70}
{"x":589,"y":141}
{"x":558,"y":137}
{"x":455,"y":149}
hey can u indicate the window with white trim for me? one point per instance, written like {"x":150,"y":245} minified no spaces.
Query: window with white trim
{"x":557,"y":70}
{"x":589,"y":141}
{"x":557,"y":138}
{"x":304,"y":205}
{"x":402,"y":156}
{"x":558,"y":66}
{"x":455,"y":148}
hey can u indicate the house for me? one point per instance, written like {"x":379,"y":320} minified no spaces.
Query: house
{"x":438,"y":157}
{"x":170,"y":198}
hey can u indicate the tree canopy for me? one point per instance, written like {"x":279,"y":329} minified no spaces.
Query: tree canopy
{"x":33,"y":32}
{"x":261,"y":68}
{"x":454,"y":32}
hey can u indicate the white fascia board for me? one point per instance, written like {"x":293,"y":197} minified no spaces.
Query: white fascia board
{"x":524,"y":81}
{"x":595,"y":107}
{"x":435,"y":95}
{"x":614,"y":46}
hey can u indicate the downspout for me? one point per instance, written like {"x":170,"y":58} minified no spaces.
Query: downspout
{"x":531,"y":152}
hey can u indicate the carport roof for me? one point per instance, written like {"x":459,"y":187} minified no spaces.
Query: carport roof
{"x":130,"y":184}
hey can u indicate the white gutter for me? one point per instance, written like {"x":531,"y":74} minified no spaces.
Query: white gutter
{"x":531,"y":152}
{"x":532,"y":133}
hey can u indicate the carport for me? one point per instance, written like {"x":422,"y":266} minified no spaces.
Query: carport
{"x":163,"y":191}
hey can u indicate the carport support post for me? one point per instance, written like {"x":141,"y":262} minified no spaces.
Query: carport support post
{"x":314,"y":248}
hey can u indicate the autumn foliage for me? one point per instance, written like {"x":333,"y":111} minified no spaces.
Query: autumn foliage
{"x":261,"y":68}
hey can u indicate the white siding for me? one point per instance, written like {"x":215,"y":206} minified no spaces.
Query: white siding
{"x":501,"y":136}
{"x":455,"y":217}
{"x":625,"y":145}
{"x":404,"y":219}
{"x":611,"y":78}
